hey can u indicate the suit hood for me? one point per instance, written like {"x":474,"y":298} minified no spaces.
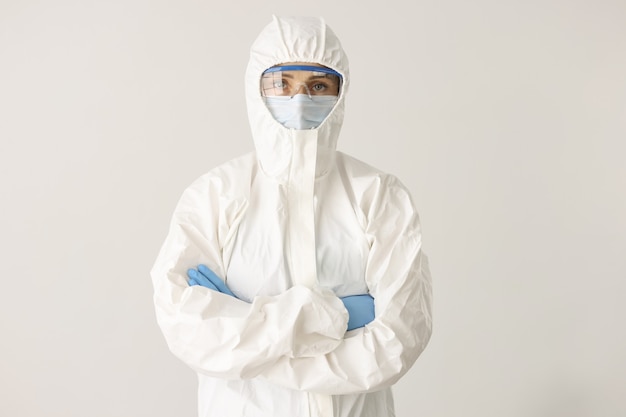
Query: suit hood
{"x":293,"y":39}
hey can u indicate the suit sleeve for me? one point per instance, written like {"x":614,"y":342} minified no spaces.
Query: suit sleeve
{"x":398,"y":276}
{"x":219,"y":335}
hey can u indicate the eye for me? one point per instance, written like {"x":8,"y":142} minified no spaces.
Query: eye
{"x":280,"y":84}
{"x":319,"y":87}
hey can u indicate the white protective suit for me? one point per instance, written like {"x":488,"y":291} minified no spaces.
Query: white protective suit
{"x":292,"y":227}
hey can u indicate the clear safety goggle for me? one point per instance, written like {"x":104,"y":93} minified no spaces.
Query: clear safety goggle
{"x":289,"y":80}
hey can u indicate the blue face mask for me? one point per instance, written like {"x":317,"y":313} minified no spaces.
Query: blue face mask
{"x":300,"y":111}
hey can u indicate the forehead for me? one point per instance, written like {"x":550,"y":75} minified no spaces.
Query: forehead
{"x":300,"y":71}
{"x":300,"y":75}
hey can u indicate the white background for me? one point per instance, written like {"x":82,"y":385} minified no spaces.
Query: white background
{"x":506,"y":119}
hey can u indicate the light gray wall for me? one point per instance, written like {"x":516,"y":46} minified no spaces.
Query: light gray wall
{"x":506,"y":119}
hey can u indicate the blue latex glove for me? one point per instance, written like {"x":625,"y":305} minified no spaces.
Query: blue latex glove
{"x":205,"y":277}
{"x":360,"y":308}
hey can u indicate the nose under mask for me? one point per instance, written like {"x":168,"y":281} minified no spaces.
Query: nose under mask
{"x":300,"y":111}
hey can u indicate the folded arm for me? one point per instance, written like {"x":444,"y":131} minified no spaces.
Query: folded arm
{"x":220,"y":335}
{"x":397,"y":274}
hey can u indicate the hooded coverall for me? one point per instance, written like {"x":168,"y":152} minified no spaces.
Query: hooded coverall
{"x":291,"y":227}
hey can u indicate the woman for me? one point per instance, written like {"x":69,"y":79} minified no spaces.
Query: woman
{"x":295,"y":245}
